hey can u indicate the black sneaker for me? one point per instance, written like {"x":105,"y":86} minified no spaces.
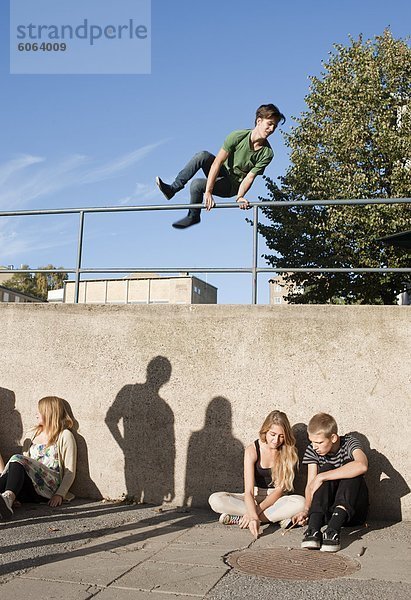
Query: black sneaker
{"x":331,"y":541}
{"x":164,"y":188}
{"x":187,"y":221}
{"x":312,"y":539}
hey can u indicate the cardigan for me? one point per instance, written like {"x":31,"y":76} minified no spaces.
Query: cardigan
{"x":67,"y":457}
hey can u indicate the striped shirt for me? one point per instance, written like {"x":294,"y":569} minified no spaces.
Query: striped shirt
{"x":344,"y":454}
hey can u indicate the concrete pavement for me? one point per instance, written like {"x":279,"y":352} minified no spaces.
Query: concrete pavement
{"x":103,"y":550}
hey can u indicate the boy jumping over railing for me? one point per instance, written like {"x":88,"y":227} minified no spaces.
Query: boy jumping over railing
{"x":244,"y":155}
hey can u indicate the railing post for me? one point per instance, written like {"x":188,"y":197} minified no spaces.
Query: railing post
{"x":79,"y":254}
{"x":255,"y":254}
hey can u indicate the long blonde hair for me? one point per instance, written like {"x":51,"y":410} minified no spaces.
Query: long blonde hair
{"x":55,"y":418}
{"x":283,"y":470}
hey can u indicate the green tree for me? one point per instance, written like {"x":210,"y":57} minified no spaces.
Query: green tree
{"x":37,"y":284}
{"x":353,"y":141}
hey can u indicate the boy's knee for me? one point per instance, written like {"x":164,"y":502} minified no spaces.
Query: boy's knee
{"x":204,"y":155}
{"x":198,"y":186}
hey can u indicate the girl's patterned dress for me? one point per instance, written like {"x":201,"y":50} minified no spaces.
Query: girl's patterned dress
{"x":42,"y":466}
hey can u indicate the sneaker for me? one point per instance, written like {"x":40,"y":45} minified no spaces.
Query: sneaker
{"x":164,"y":188}
{"x":227,"y":519}
{"x":285,"y":523}
{"x":6,"y":511}
{"x":187,"y":222}
{"x":312,"y":539}
{"x":331,"y":541}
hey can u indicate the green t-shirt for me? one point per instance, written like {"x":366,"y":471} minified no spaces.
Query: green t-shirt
{"x":242,"y":158}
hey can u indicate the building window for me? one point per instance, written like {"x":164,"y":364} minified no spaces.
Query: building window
{"x":197,"y":290}
{"x":278,"y":288}
{"x":6,"y":297}
{"x":277,"y":300}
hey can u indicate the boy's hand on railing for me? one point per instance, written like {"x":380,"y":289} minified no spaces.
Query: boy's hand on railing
{"x":209,"y":200}
{"x":243,"y":202}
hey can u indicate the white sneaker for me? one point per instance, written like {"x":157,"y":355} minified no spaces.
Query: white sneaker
{"x":226,"y":519}
{"x":6,"y":504}
{"x":285,"y":523}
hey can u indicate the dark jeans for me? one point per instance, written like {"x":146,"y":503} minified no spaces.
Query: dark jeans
{"x":16,"y":480}
{"x":351,"y":494}
{"x":202,"y":160}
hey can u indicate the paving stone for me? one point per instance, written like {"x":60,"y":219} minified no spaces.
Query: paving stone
{"x":145,"y":538}
{"x":100,"y":568}
{"x":131,"y":594}
{"x":391,"y":561}
{"x":20,"y":588}
{"x":190,"y":555}
{"x":226,"y":538}
{"x":172,"y":578}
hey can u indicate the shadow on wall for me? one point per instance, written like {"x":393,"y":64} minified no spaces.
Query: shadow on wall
{"x":148,"y":439}
{"x":386,"y":485}
{"x":11,"y":428}
{"x":83,"y":485}
{"x":301,"y":441}
{"x":215,"y":457}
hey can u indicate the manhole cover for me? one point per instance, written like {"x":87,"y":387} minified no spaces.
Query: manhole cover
{"x":284,"y":563}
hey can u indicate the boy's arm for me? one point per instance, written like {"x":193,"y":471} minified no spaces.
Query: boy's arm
{"x":356,"y":467}
{"x":301,"y":517}
{"x":245,"y":185}
{"x":212,"y":176}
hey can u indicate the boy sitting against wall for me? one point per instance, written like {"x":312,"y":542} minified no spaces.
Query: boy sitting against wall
{"x":336,"y":493}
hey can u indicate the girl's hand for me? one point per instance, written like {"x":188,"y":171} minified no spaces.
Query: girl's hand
{"x":55,"y":500}
{"x":252,"y":524}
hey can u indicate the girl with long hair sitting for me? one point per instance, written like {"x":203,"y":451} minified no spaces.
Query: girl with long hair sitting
{"x":269,"y":466}
{"x":47,"y":467}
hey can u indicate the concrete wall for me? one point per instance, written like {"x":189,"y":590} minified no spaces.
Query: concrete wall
{"x":167,"y":396}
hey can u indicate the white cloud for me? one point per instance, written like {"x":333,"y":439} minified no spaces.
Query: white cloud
{"x":13,"y":166}
{"x":142,"y":192}
{"x":118,"y":165}
{"x":19,"y":186}
{"x":18,"y":244}
{"x":19,"y":190}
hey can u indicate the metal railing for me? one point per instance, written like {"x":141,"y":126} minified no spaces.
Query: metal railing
{"x":254,"y":269}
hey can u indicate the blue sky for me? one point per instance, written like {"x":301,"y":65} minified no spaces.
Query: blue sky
{"x":100,"y":140}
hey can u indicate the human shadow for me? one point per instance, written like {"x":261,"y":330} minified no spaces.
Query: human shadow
{"x":11,"y":428}
{"x":301,"y":441}
{"x":386,"y":485}
{"x":148,"y":439}
{"x":83,"y":486}
{"x":214,"y":456}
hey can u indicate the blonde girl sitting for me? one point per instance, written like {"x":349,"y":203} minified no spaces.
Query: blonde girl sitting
{"x":47,"y":467}
{"x":269,"y":465}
